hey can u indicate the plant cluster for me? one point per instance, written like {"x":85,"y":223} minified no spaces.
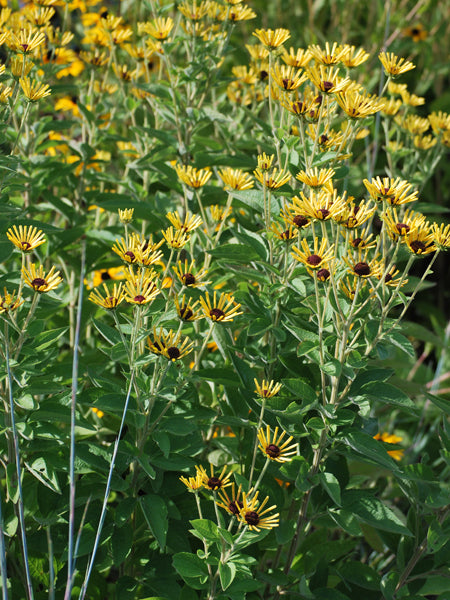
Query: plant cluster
{"x":205,"y":270}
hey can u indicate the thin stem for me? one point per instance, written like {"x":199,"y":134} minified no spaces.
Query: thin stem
{"x":4,"y":574}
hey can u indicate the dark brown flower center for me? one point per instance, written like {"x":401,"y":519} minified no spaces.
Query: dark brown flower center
{"x":357,"y":242}
{"x":418,"y":247}
{"x":25,"y":246}
{"x":287,"y":83}
{"x":323,"y":274}
{"x":186,"y":313}
{"x":139,"y":298}
{"x":251,"y":517}
{"x":105,"y":276}
{"x":188,"y":279}
{"x":263,"y":75}
{"x":362,"y":269}
{"x":314,"y":260}
{"x":297,"y":107}
{"x":173,"y":352}
{"x":129,"y":256}
{"x":216,"y":314}
{"x":327,"y":86}
{"x":273,"y":451}
{"x":323,"y":139}
{"x":234,"y":507}
{"x":324,"y":212}
{"x":402,"y":228}
{"x":214,"y":483}
{"x":300,"y":221}
{"x":388,"y":278}
{"x":38,"y":282}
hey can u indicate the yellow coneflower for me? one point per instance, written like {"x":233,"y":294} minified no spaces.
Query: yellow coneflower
{"x":102,"y":275}
{"x":189,"y":275}
{"x":25,"y":238}
{"x":299,"y":108}
{"x":441,"y":236}
{"x":239,"y":12}
{"x":170,"y":345}
{"x":393,"y":278}
{"x":111,"y":299}
{"x":327,"y":79}
{"x":287,"y":78}
{"x":187,"y":310}
{"x":315,"y":259}
{"x":176,"y":238}
{"x":9,"y":302}
{"x":272,"y":39}
{"x":5,"y":93}
{"x":420,"y":241}
{"x":231,"y":503}
{"x":412,"y":99}
{"x":20,"y":66}
{"x":358,"y":106}
{"x":245,"y":74}
{"x":355,"y":215}
{"x":258,"y":52}
{"x":193,"y":177}
{"x":39,"y":281}
{"x":140,"y":287}
{"x":159,"y":28}
{"x":416,"y":32}
{"x":235,"y":179}
{"x":321,"y":206}
{"x":186,"y":225}
{"x":389,"y":438}
{"x":328,"y":55}
{"x":393,"y":65}
{"x":267,"y":389}
{"x":363,"y":268}
{"x":352,"y":56}
{"x":272,"y":445}
{"x":220,"y":310}
{"x":397,"y":227}
{"x":391,"y":107}
{"x":128,"y":251}
{"x":192,"y":10}
{"x":315,"y":178}
{"x":39,"y":15}
{"x":414,"y":124}
{"x":214,"y":482}
{"x":252,"y":515}
{"x":219,"y":213}
{"x":273,"y":179}
{"x":264,"y":161}
{"x":286,"y":233}
{"x":363,"y":240}
{"x":439,"y":121}
{"x":126,"y":215}
{"x":193,"y":483}
{"x":349,"y":286}
{"x":294,"y":217}
{"x":34,"y":90}
{"x":424,"y":142}
{"x":26,"y":40}
{"x":298,"y":58}
{"x":393,"y":191}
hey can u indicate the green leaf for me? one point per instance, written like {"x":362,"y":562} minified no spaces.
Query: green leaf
{"x":373,"y":511}
{"x":331,"y":485}
{"x":121,"y":544}
{"x":441,"y":403}
{"x":347,"y":521}
{"x":300,"y":389}
{"x":368,"y":376}
{"x":110,"y":334}
{"x":402,"y":342}
{"x":370,"y":450}
{"x":155,"y":513}
{"x":360,"y":574}
{"x":388,"y":394}
{"x":227,"y":572}
{"x":189,"y":565}
{"x":234,"y":252}
{"x":47,"y":338}
{"x":225,"y":376}
{"x":206,"y":529}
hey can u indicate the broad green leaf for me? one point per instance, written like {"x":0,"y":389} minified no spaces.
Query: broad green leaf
{"x":110,"y":334}
{"x":388,"y":394}
{"x":331,"y":485}
{"x":189,"y":565}
{"x":206,"y":529}
{"x":370,"y":450}
{"x":373,"y":511}
{"x":300,"y":389}
{"x":223,"y":376}
{"x":346,"y":520}
{"x":360,"y":574}
{"x":47,"y":338}
{"x":441,"y":403}
{"x":121,"y":543}
{"x":227,"y":572}
{"x":234,"y":252}
{"x":156,"y":515}
{"x":369,"y":376}
{"x":43,"y":471}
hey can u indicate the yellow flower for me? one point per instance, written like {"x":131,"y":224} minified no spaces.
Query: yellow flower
{"x":186,"y":225}
{"x":358,"y":106}
{"x":424,"y":142}
{"x":232,"y":504}
{"x":176,"y":238}
{"x":399,"y":227}
{"x":389,"y":438}
{"x":328,"y":56}
{"x":239,"y":12}
{"x":267,"y":389}
{"x":393,"y":191}
{"x":39,"y":281}
{"x":439,"y":121}
{"x":252,"y":515}
{"x":126,"y":215}
{"x":355,"y":215}
{"x":236,"y":179}
{"x":102,"y":275}
{"x":362,"y":241}
{"x":441,"y":236}
{"x":140,"y":288}
{"x":128,"y":252}
{"x":414,"y":124}
{"x":9,"y":302}
{"x":416,"y":32}
{"x":188,"y":276}
{"x":287,"y":78}
{"x":214,"y":482}
{"x":193,"y":483}
{"x":352,"y":57}
{"x":286,"y":233}
{"x":159,"y":28}
{"x":393,"y":65}
{"x":26,"y":40}
{"x":193,"y":11}
{"x":111,"y":299}
{"x":327,"y":79}
{"x":271,"y":445}
{"x":315,"y":259}
{"x":100,"y":414}
{"x":193,"y":177}
{"x":315,"y":178}
{"x":321,"y":206}
{"x":265,"y":162}
{"x":391,"y":107}
{"x":273,"y":179}
{"x":420,"y":241}
{"x":272,"y":39}
{"x":170,"y":345}
{"x":25,"y":238}
{"x":187,"y":311}
{"x":33,"y":90}
{"x":297,"y":58}
{"x":363,"y":268}
{"x":222,"y":310}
